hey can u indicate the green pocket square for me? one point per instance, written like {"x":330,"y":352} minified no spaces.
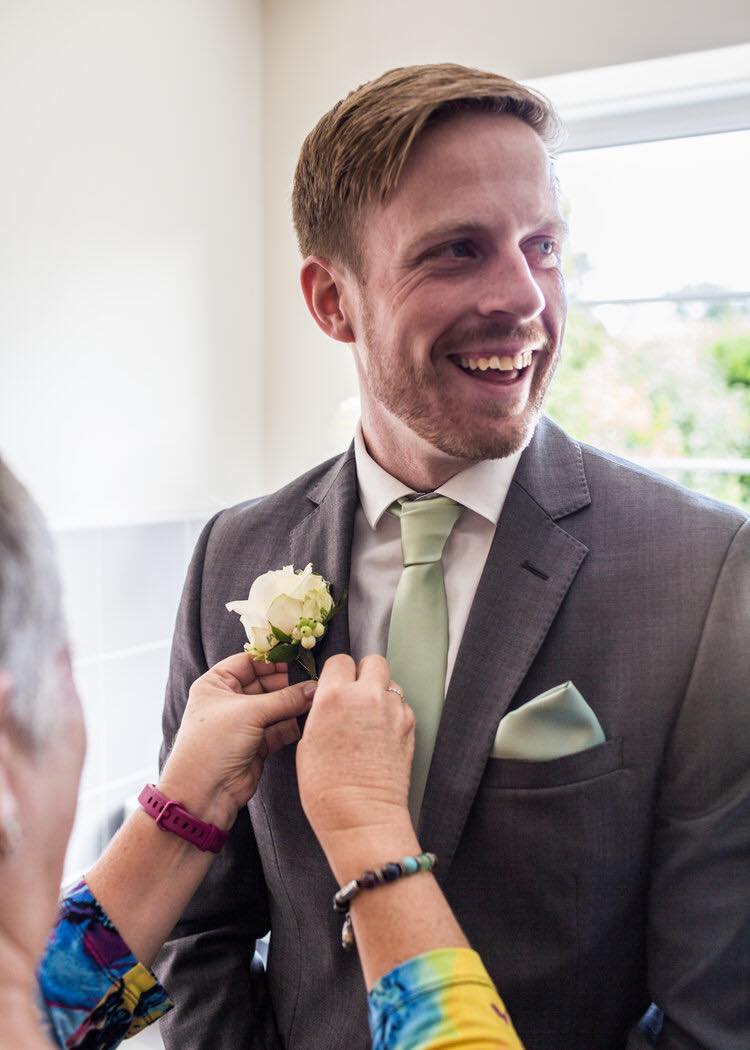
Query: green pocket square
{"x":552,"y":725}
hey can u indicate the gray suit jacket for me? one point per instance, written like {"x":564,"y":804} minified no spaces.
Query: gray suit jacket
{"x":592,"y":885}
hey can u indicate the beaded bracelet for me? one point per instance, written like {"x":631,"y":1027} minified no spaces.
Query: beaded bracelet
{"x":369,"y":880}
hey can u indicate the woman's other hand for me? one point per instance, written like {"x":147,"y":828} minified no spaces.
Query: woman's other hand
{"x":354,"y":759}
{"x":238,"y":713}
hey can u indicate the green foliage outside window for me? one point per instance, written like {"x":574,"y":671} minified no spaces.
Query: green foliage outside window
{"x":661,"y":381}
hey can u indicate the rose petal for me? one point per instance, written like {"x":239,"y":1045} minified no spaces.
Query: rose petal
{"x":284,"y":613}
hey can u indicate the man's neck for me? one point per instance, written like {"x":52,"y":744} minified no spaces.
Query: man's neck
{"x":412,"y":461}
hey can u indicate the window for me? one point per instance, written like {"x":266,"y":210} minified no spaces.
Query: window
{"x":656,"y":365}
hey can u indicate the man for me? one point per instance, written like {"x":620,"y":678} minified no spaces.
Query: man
{"x":592,"y":837}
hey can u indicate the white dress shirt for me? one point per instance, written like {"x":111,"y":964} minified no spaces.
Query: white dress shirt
{"x":377,"y":561}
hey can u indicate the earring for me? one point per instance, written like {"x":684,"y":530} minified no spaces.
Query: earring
{"x":9,"y":828}
{"x":10,"y":836}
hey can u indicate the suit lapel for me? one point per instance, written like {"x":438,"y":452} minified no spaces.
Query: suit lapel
{"x":324,"y":538}
{"x":531,"y":564}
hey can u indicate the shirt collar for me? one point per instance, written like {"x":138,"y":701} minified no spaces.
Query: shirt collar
{"x":482,"y":487}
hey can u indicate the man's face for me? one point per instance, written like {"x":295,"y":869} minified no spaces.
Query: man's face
{"x":460,"y":312}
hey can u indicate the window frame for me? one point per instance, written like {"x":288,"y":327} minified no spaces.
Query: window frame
{"x":682,"y":96}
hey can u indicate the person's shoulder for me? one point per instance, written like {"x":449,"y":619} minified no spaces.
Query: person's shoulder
{"x":280,"y":509}
{"x":652,"y":496}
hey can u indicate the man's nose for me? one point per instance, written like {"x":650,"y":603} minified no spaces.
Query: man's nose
{"x":509,"y":287}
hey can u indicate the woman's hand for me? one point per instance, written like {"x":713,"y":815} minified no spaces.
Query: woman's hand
{"x":237,"y":714}
{"x":354,"y":759}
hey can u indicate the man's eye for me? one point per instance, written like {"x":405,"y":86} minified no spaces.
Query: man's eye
{"x":548,"y":249}
{"x":456,"y":250}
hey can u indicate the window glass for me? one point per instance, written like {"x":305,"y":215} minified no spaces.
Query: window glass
{"x":656,"y":364}
{"x":659,"y":218}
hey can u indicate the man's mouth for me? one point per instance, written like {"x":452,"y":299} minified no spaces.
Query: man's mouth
{"x":494,"y":368}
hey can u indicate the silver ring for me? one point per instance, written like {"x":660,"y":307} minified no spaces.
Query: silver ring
{"x":393,"y":689}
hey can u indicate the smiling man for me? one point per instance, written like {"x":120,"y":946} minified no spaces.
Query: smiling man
{"x":570,"y":630}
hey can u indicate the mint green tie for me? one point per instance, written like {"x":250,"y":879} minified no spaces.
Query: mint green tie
{"x":418,"y":633}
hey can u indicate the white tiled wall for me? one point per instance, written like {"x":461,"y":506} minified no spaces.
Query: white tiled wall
{"x":122,"y":586}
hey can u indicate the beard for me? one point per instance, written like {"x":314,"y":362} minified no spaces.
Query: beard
{"x":420,"y":400}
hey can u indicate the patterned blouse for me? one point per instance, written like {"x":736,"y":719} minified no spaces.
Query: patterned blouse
{"x":94,"y":993}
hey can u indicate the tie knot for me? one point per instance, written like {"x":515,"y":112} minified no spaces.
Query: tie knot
{"x":425,"y":526}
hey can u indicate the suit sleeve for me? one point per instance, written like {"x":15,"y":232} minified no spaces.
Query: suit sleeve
{"x":219,"y":991}
{"x":699,"y":906}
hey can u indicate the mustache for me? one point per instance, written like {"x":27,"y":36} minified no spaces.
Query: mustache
{"x":531,"y":334}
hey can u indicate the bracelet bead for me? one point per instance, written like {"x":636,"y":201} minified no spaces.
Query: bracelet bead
{"x":368,"y":880}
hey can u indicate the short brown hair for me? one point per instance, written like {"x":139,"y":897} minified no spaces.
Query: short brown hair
{"x":356,"y":152}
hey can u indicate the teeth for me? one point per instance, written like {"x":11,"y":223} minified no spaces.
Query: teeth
{"x":506,"y":363}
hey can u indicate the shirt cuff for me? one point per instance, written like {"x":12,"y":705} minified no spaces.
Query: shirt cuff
{"x":442,"y":999}
{"x":93,"y":989}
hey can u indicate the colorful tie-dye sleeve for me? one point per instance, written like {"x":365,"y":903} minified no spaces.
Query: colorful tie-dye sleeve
{"x":94,"y":992}
{"x":442,"y":1000}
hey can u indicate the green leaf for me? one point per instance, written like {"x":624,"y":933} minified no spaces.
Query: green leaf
{"x":306,"y":660}
{"x":283,"y":653}
{"x":282,"y":637}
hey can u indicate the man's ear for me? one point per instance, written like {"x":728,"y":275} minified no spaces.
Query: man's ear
{"x":323,"y":287}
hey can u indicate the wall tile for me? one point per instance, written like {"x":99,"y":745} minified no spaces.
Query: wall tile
{"x":78,"y":561}
{"x":89,"y":689}
{"x":143,"y":569}
{"x":132,"y":693}
{"x":86,"y":841}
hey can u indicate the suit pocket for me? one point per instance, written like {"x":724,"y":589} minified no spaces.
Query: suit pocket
{"x":547,"y":884}
{"x":571,"y":769}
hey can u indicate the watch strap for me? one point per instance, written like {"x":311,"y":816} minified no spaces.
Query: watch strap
{"x":172,"y":816}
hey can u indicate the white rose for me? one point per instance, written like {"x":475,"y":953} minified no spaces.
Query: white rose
{"x":281,"y":598}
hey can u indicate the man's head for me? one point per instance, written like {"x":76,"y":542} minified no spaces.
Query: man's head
{"x":426,"y":206}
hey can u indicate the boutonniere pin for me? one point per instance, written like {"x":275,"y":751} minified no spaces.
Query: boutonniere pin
{"x":286,"y":614}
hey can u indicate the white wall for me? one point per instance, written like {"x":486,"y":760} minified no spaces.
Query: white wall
{"x":316,"y":52}
{"x":130,"y":328}
{"x":130,"y":255}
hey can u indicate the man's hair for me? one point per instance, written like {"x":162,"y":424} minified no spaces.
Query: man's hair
{"x":356,"y":152}
{"x":31,"y":619}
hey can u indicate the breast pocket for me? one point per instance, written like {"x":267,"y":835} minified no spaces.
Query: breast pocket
{"x":546,"y":882}
{"x":571,"y":769}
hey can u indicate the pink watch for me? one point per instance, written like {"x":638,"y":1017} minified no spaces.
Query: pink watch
{"x":171,"y":816}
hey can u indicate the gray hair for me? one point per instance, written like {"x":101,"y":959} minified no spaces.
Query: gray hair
{"x":31,"y":619}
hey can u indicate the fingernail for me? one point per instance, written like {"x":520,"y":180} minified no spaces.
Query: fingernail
{"x":308,"y":690}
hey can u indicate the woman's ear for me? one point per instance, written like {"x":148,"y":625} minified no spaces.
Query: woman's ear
{"x":324,"y":287}
{"x":9,"y":826}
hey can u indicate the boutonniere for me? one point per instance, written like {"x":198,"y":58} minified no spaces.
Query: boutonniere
{"x":286,"y":614}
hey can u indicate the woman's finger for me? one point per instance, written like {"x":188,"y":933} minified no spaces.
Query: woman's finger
{"x":268,"y":681}
{"x":338,"y":670}
{"x":281,"y":734}
{"x":266,"y":709}
{"x":375,"y":670}
{"x":240,"y":667}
